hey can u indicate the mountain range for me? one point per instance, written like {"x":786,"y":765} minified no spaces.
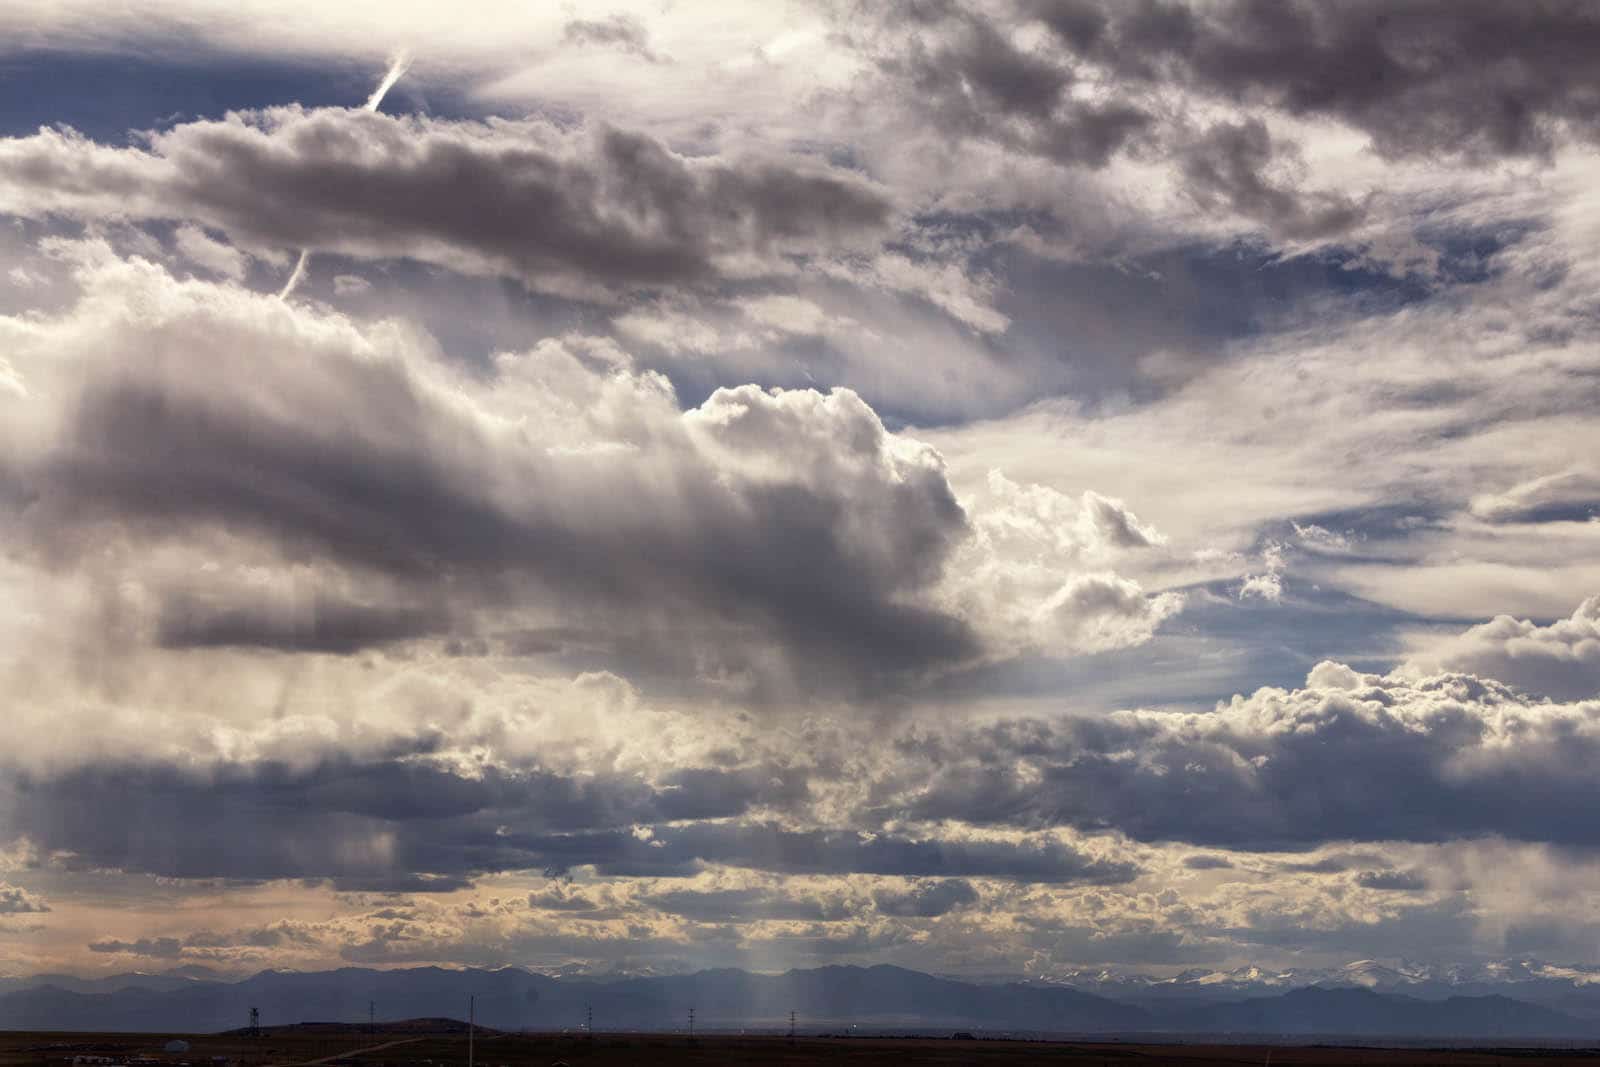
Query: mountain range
{"x":1365,"y":999}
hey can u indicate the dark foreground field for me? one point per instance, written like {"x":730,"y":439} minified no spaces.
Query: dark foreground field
{"x":399,"y":1047}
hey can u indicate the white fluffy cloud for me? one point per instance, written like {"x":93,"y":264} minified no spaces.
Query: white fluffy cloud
{"x":1560,"y":660}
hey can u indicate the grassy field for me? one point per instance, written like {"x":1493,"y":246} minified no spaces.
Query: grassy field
{"x":402,"y":1047}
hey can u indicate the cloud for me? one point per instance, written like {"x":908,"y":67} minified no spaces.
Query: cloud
{"x":365,"y":493}
{"x":15,"y":900}
{"x":410,"y":827}
{"x":1567,"y":495}
{"x":745,"y":905}
{"x":316,"y":624}
{"x":1230,"y":166}
{"x":164,"y":948}
{"x":380,"y":826}
{"x":967,"y":77}
{"x":569,"y":477}
{"x":1268,"y":585}
{"x":622,"y":32}
{"x":1392,"y":881}
{"x":1432,"y":77}
{"x":197,"y":246}
{"x":927,"y":900}
{"x":1561,"y":660}
{"x":1041,"y":569}
{"x":1424,"y":760}
{"x":586,"y":212}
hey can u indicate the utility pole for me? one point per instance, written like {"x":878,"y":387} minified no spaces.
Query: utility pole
{"x":472,"y":1020}
{"x":791,"y":1026}
{"x":588,"y":1021}
{"x":691,"y":1024}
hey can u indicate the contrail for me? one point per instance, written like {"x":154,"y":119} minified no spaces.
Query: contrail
{"x":295,"y":275}
{"x":397,"y":70}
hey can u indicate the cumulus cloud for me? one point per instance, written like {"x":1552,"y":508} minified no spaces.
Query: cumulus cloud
{"x":15,"y":900}
{"x":575,"y":475}
{"x":587,"y":211}
{"x":1560,"y":660}
{"x":363,"y":493}
{"x":1041,"y":568}
{"x":1268,"y":584}
{"x":1387,"y":759}
{"x":926,"y":900}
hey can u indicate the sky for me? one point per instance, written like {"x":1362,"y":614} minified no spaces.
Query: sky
{"x":994,"y":488}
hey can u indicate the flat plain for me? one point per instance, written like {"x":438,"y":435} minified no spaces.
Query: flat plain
{"x":403,"y":1046}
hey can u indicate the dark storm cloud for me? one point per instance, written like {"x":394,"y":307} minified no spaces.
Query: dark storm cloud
{"x":325,"y":625}
{"x":691,"y":546}
{"x":381,"y":826}
{"x":975,"y":82}
{"x":1207,"y":863}
{"x":603,"y":208}
{"x":1348,"y":760}
{"x":1419,"y":77}
{"x":678,"y":850}
{"x":409,"y":827}
{"x":926,"y":900}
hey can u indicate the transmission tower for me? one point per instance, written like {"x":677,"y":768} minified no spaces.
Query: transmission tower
{"x":791,"y":1027}
{"x":691,"y":1024}
{"x":588,"y":1021}
{"x":255,"y":1022}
